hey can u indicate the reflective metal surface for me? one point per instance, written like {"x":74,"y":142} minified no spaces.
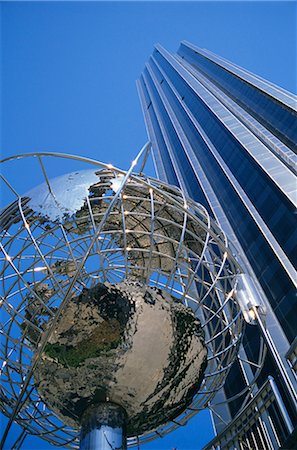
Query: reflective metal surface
{"x":63,"y":197}
{"x":104,"y":438}
{"x":103,"y":428}
{"x":104,"y":225}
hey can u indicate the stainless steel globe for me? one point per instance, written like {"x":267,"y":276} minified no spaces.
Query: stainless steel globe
{"x":75,"y":246}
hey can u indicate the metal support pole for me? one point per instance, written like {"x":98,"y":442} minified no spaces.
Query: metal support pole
{"x":281,"y":405}
{"x":103,"y":427}
{"x":277,"y":359}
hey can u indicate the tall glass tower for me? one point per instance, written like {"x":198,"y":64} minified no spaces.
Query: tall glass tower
{"x":228,"y":138}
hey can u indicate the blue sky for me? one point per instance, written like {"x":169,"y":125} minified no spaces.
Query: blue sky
{"x":68,"y":84}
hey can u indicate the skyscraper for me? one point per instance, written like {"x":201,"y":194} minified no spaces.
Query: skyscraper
{"x":228,"y":137}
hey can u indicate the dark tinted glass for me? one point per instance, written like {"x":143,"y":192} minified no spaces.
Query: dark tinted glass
{"x":256,"y":184}
{"x":275,"y":116}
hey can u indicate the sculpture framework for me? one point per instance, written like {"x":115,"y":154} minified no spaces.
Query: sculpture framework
{"x":96,"y":226}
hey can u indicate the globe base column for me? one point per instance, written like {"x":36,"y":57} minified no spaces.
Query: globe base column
{"x":103,"y":427}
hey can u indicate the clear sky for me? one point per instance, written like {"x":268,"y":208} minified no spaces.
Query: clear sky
{"x":68,"y":84}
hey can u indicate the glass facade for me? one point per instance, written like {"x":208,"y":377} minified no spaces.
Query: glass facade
{"x":264,"y":107}
{"x":227,"y":138}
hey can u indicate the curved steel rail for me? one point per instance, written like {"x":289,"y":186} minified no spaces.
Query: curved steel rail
{"x":203,"y":279}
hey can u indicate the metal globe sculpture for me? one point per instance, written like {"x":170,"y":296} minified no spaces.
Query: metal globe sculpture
{"x":118,"y":305}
